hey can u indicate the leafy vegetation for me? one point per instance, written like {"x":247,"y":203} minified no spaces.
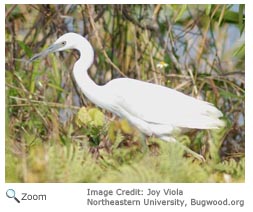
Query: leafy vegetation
{"x":53,"y":134}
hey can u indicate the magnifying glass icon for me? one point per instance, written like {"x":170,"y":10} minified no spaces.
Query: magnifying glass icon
{"x":11,"y":194}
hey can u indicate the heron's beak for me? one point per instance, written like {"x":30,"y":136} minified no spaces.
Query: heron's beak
{"x":50,"y":49}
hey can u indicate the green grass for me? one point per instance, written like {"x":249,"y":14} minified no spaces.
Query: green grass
{"x":59,"y":163}
{"x":51,"y":138}
{"x":113,"y":152}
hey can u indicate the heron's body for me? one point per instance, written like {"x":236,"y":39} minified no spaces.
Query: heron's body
{"x":153,"y":109}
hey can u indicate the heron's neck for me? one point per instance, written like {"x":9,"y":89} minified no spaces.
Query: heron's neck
{"x":91,"y":90}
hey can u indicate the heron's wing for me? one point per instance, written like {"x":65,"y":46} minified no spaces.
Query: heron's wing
{"x":158,"y":104}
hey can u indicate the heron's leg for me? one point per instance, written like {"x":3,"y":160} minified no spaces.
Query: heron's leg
{"x":143,"y":139}
{"x":194,"y":154}
{"x":168,"y":138}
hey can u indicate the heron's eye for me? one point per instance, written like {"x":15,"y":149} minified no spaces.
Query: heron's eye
{"x":63,"y":43}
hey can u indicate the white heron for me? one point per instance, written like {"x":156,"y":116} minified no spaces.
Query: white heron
{"x":154,"y":109}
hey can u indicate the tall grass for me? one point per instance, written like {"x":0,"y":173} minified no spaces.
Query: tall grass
{"x":50,"y":138}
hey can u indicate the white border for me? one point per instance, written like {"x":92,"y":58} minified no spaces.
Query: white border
{"x":66,"y":197}
{"x":249,"y":92}
{"x":129,"y":2}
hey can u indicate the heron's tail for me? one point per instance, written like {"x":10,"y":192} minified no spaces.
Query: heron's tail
{"x":213,"y":115}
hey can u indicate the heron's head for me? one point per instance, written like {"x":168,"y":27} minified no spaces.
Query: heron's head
{"x":66,"y":41}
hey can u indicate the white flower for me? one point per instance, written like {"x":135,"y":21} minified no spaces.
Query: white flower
{"x":162,"y":65}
